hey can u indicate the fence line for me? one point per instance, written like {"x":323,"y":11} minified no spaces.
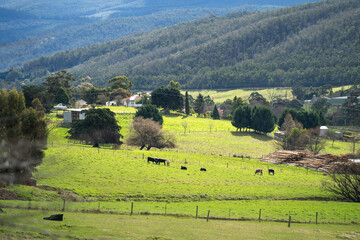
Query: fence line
{"x":131,"y":210}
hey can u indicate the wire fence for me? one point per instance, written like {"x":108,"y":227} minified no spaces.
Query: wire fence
{"x":195,"y":211}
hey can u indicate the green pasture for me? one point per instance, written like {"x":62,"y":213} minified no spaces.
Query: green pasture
{"x":271,"y":210}
{"x":28,"y":224}
{"x":108,"y":180}
{"x":221,"y":96}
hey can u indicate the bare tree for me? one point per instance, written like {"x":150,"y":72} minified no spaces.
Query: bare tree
{"x":345,"y":181}
{"x":315,"y":142}
{"x":147,"y":133}
{"x":185,"y":126}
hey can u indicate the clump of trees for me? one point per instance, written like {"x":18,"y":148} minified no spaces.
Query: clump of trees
{"x":23,"y":137}
{"x":150,"y":111}
{"x":309,"y":119}
{"x":99,"y":126}
{"x":259,"y":118}
{"x":147,"y":133}
{"x":168,"y":97}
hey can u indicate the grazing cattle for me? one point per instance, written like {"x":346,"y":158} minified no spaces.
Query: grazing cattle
{"x":56,"y":217}
{"x":159,"y":160}
{"x":183,"y":168}
{"x":203,"y":169}
{"x":271,"y":171}
{"x":96,"y":145}
{"x":150,"y":159}
{"x":259,"y":171}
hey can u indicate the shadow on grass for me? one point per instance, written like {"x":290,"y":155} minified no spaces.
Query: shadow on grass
{"x":257,"y":136}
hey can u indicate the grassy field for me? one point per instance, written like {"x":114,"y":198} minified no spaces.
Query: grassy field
{"x":221,"y":96}
{"x":106,"y":179}
{"x":29,"y":225}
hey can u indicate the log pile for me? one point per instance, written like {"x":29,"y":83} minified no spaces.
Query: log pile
{"x":306,"y":159}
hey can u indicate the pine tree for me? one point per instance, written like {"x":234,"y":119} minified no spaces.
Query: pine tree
{"x":215,"y":114}
{"x":61,"y":96}
{"x":187,"y":105}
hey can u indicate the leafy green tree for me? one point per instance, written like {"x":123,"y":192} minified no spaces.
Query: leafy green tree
{"x":262,"y":119}
{"x":120,"y":82}
{"x":236,"y":103}
{"x":215,"y":114}
{"x":91,"y":95}
{"x":147,"y":133}
{"x":321,"y":105}
{"x":199,"y":104}
{"x":61,"y":97}
{"x":61,"y":79}
{"x":241,"y":118}
{"x":33,"y":91}
{"x":310,"y":119}
{"x":175,"y":85}
{"x":99,"y":126}
{"x":187,"y":104}
{"x":23,"y":138}
{"x":150,"y":111}
{"x":167,"y":97}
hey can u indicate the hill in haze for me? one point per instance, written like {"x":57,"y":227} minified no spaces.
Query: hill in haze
{"x":311,"y":44}
{"x":31,"y":29}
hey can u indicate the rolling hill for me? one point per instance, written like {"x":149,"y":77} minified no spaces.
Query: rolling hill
{"x":310,"y":44}
{"x":31,"y":29}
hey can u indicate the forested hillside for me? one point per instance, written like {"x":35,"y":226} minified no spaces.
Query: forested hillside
{"x":310,"y":44}
{"x":31,"y":29}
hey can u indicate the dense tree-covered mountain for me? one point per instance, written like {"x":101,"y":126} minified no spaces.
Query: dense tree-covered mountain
{"x":311,"y":44}
{"x":30,"y":29}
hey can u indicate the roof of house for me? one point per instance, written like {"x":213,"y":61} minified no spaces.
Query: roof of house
{"x":132,"y":98}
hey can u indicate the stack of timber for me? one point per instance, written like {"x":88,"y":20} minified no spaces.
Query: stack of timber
{"x":306,"y":159}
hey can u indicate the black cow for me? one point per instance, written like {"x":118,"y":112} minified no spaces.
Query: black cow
{"x":56,"y":217}
{"x":271,"y":171}
{"x":159,"y":160}
{"x":150,"y":159}
{"x":183,"y":168}
{"x":259,"y":171}
{"x":203,"y":169}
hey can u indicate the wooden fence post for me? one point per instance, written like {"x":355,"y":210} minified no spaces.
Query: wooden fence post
{"x":165,"y":208}
{"x":316,"y":218}
{"x":99,"y":207}
{"x":260,"y":215}
{"x":132,"y":207}
{"x":229,"y":212}
{"x":197,"y":208}
{"x":207,"y":219}
{"x":289,"y":221}
{"x":63,"y":205}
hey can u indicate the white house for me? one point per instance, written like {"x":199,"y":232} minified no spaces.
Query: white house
{"x":131,"y":101}
{"x":111,"y":103}
{"x":74,"y":114}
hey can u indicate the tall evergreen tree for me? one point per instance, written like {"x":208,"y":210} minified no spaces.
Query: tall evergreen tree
{"x":215,"y":114}
{"x":187,"y":104}
{"x":61,"y":97}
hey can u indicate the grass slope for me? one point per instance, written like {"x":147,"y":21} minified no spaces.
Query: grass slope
{"x":104,"y":226}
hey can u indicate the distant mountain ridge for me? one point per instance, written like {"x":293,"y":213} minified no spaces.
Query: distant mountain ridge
{"x":311,"y":44}
{"x":31,"y":29}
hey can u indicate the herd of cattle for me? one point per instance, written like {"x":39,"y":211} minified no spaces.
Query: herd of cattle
{"x":167,"y":162}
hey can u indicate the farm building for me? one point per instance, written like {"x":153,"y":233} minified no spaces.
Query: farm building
{"x":74,"y":114}
{"x":132,"y":101}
